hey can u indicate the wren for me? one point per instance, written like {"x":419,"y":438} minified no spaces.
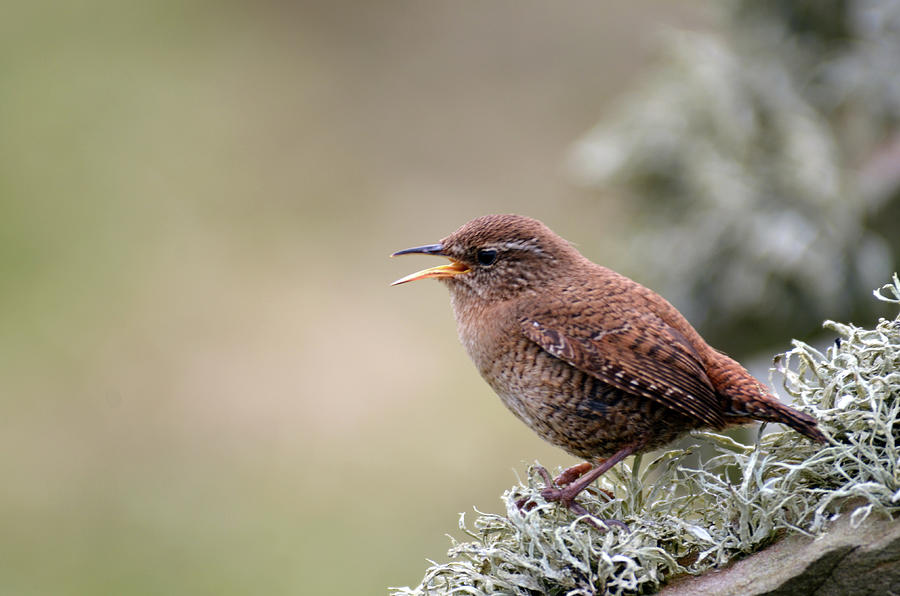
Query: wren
{"x":592,"y":361}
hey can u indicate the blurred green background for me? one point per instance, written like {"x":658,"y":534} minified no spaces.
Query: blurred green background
{"x":207,"y":385}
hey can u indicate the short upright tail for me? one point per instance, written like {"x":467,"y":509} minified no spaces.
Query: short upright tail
{"x":770,"y":409}
{"x":746,"y":398}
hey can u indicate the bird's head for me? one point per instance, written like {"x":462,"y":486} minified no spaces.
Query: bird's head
{"x":496,"y":257}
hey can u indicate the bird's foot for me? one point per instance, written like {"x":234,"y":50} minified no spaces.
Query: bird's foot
{"x":562,"y":490}
{"x":525,"y":503}
{"x":566,"y":496}
{"x":579,"y":479}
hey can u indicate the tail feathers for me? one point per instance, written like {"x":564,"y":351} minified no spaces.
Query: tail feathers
{"x":769,"y":409}
{"x":745,"y":398}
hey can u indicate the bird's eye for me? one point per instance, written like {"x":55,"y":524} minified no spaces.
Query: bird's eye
{"x":486,"y":256}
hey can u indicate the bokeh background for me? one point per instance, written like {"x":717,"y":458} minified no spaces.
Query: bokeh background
{"x":206,"y":383}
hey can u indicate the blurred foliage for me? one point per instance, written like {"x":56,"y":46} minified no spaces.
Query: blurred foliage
{"x":762,"y":167}
{"x":690,"y":520}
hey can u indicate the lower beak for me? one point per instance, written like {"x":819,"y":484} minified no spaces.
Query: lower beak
{"x":449,"y":270}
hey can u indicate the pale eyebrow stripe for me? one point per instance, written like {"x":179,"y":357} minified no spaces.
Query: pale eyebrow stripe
{"x":531,"y":244}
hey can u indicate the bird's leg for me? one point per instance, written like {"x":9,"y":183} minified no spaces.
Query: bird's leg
{"x":567,"y":494}
{"x":565,"y":478}
{"x":570,"y":475}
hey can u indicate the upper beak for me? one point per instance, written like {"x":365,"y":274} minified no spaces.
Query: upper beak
{"x":449,"y":270}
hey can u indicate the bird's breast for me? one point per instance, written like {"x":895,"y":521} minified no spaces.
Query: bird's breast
{"x":562,"y":404}
{"x":502,"y":354}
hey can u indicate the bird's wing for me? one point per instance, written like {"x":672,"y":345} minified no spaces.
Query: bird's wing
{"x":642,"y":356}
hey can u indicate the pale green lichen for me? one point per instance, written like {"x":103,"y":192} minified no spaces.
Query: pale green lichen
{"x":688,"y":519}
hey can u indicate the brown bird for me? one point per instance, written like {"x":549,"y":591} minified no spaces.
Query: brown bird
{"x":590,"y":360}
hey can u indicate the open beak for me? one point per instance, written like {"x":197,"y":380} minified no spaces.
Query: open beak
{"x":449,"y":270}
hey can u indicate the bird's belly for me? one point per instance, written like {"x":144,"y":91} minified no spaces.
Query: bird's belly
{"x":576,"y":411}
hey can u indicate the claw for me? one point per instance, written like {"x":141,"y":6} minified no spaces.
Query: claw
{"x":526,"y":504}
